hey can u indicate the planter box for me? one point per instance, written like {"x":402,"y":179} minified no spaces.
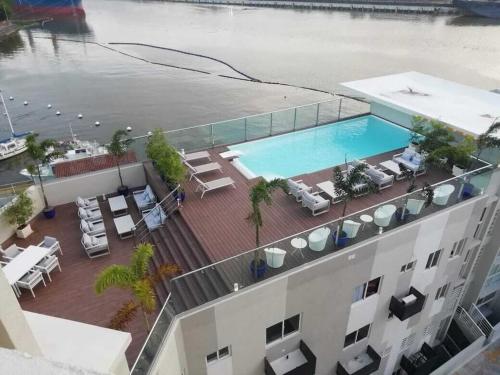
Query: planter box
{"x":25,"y":232}
{"x":457,"y":171}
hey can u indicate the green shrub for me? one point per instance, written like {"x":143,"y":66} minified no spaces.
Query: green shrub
{"x":19,"y":212}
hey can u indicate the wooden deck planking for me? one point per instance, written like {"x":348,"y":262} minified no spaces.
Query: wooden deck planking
{"x":219,"y":219}
{"x":71,"y":294}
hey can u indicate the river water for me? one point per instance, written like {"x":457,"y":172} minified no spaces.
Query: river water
{"x":61,"y":64}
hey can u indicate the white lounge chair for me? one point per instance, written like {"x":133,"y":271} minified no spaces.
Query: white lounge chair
{"x":30,"y":280}
{"x":195,"y":156}
{"x":204,"y":168}
{"x":317,"y":239}
{"x":296,"y":188}
{"x":48,"y":264}
{"x":90,"y":213}
{"x":11,"y":252}
{"x":52,"y":244}
{"x":315,"y":202}
{"x":414,"y":206}
{"x":92,"y":227}
{"x":442,"y":194}
{"x":275,"y":257}
{"x":95,"y":246}
{"x":213,"y":185}
{"x":90,"y":202}
{"x":411,"y":160}
{"x":383,"y":215}
{"x":351,"y":228}
{"x":381,"y":179}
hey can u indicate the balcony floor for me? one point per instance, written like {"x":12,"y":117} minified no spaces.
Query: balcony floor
{"x":219,"y":219}
{"x":71,"y":294}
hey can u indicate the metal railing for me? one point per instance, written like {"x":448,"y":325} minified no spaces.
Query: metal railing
{"x":481,"y":321}
{"x":467,"y":324}
{"x":9,"y":191}
{"x":236,"y":270}
{"x":169,"y":205}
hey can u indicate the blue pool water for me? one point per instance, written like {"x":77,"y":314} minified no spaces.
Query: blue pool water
{"x":322,"y":147}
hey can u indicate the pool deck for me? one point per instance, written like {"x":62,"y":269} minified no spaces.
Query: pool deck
{"x":219,"y":219}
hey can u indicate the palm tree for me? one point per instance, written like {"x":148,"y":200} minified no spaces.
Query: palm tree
{"x":427,"y":190}
{"x":489,"y":139}
{"x":262,"y":192}
{"x":345,"y":186}
{"x":136,"y":278}
{"x":42,"y":154}
{"x":118,"y":147}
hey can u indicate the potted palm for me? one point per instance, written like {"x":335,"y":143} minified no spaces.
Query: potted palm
{"x":427,"y":192}
{"x":346,"y":186}
{"x":42,"y":153}
{"x":259,"y":193}
{"x":18,"y":214}
{"x":118,"y":147}
{"x":136,"y":278}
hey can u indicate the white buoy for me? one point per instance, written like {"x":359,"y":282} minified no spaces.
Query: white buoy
{"x":97,"y":123}
{"x":49,"y":105}
{"x":11,"y":98}
{"x":129,"y":128}
{"x":80,"y":116}
{"x":25,"y":102}
{"x":58,"y":113}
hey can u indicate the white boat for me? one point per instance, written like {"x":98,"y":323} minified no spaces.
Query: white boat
{"x":14,"y":145}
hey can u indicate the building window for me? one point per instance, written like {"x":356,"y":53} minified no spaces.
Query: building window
{"x":441,"y":292}
{"x":357,"y":336}
{"x":458,"y":248}
{"x":219,"y":354}
{"x":408,"y":267}
{"x":283,"y":329}
{"x":366,"y":290}
{"x":433,"y":259}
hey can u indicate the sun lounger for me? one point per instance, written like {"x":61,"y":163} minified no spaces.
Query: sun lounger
{"x":213,"y":185}
{"x":195,"y":156}
{"x":296,"y":188}
{"x":204,"y":168}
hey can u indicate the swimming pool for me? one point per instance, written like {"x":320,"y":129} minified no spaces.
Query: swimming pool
{"x":319,"y":148}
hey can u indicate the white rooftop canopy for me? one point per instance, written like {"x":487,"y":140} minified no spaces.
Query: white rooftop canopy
{"x":464,"y":108}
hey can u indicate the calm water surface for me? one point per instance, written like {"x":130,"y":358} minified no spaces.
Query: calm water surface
{"x":60,"y":64}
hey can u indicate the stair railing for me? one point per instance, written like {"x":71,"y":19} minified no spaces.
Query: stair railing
{"x":480,"y":320}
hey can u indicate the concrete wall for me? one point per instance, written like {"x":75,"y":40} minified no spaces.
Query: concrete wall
{"x":7,"y":230}
{"x":321,"y":292}
{"x":399,"y":117}
{"x":65,"y":190}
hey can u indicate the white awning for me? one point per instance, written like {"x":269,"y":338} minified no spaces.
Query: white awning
{"x":466,"y":109}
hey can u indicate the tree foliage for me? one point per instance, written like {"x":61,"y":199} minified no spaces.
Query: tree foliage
{"x":167,"y":160}
{"x":118,"y":147}
{"x":19,"y":212}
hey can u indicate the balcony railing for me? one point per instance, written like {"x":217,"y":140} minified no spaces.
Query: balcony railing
{"x":301,"y":361}
{"x":425,"y":361}
{"x":405,"y":307}
{"x":363,"y":364}
{"x":235,"y":271}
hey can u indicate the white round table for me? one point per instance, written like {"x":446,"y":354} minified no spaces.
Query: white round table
{"x":298,"y":244}
{"x":366,"y":219}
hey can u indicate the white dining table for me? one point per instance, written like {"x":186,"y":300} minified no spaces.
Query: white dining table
{"x":22,"y":263}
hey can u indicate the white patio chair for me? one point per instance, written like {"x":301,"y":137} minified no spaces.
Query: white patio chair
{"x":414,"y":206}
{"x":275,"y":257}
{"x":296,"y":188}
{"x":95,"y":246}
{"x":48,"y":264}
{"x":317,"y":239}
{"x":89,"y":214}
{"x":90,"y":202}
{"x":92,"y":227}
{"x":204,"y":168}
{"x":213,"y":185}
{"x":383,"y":215}
{"x":351,"y":228}
{"x":315,"y":202}
{"x":442,"y":194}
{"x":30,"y":280}
{"x":52,"y":244}
{"x":11,"y":252}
